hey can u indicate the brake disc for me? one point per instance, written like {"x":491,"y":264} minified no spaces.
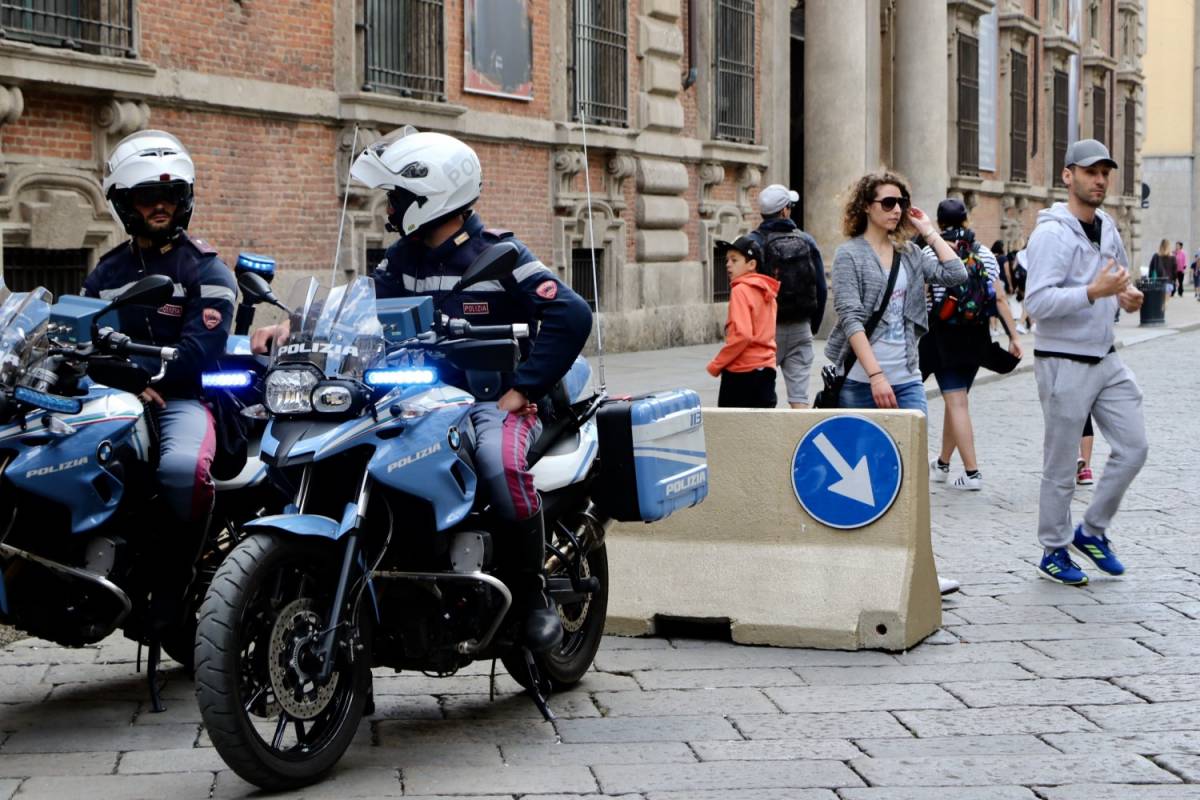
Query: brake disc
{"x":574,"y":622}
{"x":298,"y":627}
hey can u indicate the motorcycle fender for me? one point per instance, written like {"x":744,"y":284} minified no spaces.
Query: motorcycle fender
{"x":306,"y":524}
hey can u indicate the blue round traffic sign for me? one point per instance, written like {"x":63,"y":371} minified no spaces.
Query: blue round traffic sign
{"x":846,"y":472}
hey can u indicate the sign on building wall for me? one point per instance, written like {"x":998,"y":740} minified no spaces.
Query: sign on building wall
{"x":498,"y":48}
{"x":989,"y":53}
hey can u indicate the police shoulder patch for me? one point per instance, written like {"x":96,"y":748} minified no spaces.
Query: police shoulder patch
{"x":547,"y":290}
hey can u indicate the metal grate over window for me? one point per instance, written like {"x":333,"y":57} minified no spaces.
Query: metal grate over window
{"x":599,"y":61}
{"x":1100,"y":114}
{"x":581,"y":273}
{"x":720,"y":278}
{"x":1018,"y":143}
{"x":405,"y":43}
{"x":968,"y":105}
{"x":60,"y":271}
{"x":1127,"y":157}
{"x":733,"y":86}
{"x":1062,"y":110}
{"x":103,"y":27}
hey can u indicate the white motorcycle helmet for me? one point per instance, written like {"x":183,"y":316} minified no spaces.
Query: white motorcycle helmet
{"x":156,"y":164}
{"x":428,"y":177}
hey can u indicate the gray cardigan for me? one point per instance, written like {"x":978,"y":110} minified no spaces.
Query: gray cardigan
{"x":858,"y":285}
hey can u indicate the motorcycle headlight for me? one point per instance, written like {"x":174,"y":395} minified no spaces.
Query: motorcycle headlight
{"x":332,"y":399}
{"x":289,"y":391}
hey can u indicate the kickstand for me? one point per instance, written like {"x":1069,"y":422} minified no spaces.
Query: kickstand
{"x":537,"y":688}
{"x":152,"y":660}
{"x":492,"y":684}
{"x":137,"y":665}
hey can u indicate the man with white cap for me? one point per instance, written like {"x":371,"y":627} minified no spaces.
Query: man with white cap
{"x":1078,"y":277}
{"x":792,"y":257}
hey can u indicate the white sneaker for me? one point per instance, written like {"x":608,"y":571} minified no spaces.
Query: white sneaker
{"x":968,"y":483}
{"x":947,"y":585}
{"x":938,"y":473}
{"x":1021,"y":328}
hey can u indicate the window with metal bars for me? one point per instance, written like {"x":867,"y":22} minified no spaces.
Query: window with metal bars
{"x":104,"y":27}
{"x":405,"y":42}
{"x":720,"y":278}
{"x":1018,"y":140}
{"x":1100,"y":114}
{"x":1127,"y":157}
{"x":598,"y":62}
{"x":60,"y":271}
{"x":968,"y":105}
{"x":1061,"y":113}
{"x":581,"y":273}
{"x":733,"y":73}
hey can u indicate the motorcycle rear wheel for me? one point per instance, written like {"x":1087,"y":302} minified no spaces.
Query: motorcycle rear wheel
{"x":583,"y":627}
{"x":268,"y":716}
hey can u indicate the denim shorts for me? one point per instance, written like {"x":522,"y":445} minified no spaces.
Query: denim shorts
{"x":955,"y":379}
{"x":856,"y":394}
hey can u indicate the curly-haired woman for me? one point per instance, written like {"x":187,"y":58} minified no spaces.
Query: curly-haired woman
{"x":879,"y":219}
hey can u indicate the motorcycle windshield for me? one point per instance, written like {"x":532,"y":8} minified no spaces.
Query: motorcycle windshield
{"x":336,"y":330}
{"x":23,"y":322}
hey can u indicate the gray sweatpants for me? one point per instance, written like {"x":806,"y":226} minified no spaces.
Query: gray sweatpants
{"x":794,"y":355}
{"x":1069,"y":391}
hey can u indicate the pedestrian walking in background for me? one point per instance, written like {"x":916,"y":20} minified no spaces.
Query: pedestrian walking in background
{"x":791,"y":257}
{"x":1083,"y":465}
{"x":879,"y":218}
{"x":1078,"y":277}
{"x":1162,"y":263}
{"x":1196,"y":275}
{"x":1181,"y":266}
{"x":1020,"y":279}
{"x":746,"y":364}
{"x":959,"y":341}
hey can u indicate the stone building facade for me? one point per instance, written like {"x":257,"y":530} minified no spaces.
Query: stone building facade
{"x":691,"y":106}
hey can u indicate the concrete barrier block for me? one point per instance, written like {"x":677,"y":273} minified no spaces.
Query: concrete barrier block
{"x":752,"y":554}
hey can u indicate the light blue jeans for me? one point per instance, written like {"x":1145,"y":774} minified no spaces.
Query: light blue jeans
{"x":856,"y":394}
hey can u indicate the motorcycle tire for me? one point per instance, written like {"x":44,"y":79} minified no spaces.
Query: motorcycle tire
{"x":267,"y":603}
{"x":583,"y":628}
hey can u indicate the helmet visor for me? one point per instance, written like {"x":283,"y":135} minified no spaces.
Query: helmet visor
{"x":150,"y":195}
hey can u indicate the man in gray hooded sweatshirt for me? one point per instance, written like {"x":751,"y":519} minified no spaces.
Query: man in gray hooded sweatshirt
{"x":1078,"y":276}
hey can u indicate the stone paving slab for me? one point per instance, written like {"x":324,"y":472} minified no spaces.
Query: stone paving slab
{"x":554,"y":755}
{"x":1185,"y":765}
{"x":776,"y":750}
{"x":1085,"y":650}
{"x":1038,"y":692}
{"x":794,"y":700}
{"x":180,"y":786}
{"x":1112,"y":668}
{"x":507,"y":780}
{"x":715,"y":678}
{"x":686,"y":702}
{"x":996,"y":721}
{"x":28,"y":765}
{"x":940,"y":793}
{"x":83,"y":740}
{"x":8,"y":788}
{"x":1173,"y":645}
{"x":615,"y":779}
{"x":826,"y":725}
{"x":1145,"y":717}
{"x":361,"y":782}
{"x":1146,"y":744}
{"x":646,"y":729}
{"x":1117,"y":792}
{"x":1163,"y":688}
{"x":750,"y":794}
{"x":982,"y":745}
{"x":991,"y":770}
{"x":917,"y":673}
{"x":192,"y":759}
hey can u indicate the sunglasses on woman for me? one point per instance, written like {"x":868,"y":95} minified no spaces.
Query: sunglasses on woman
{"x":888,"y":203}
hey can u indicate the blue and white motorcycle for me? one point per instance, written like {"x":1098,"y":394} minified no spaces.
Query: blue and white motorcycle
{"x":77,"y":453}
{"x":386,"y":555}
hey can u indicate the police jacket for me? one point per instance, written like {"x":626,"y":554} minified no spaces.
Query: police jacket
{"x":196,"y":320}
{"x":559,"y":319}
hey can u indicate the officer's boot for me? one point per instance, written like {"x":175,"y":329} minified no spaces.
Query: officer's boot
{"x":542,"y":627}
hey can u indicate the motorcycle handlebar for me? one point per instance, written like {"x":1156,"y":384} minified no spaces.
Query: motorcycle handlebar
{"x":460,"y":327}
{"x":121,"y":344}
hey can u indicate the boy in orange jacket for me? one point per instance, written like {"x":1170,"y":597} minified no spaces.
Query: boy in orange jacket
{"x":746,"y":363}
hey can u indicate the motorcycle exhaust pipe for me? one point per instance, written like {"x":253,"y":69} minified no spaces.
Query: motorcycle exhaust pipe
{"x":590,"y":532}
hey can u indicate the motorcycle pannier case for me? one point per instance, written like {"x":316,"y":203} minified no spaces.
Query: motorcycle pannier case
{"x":652,"y":456}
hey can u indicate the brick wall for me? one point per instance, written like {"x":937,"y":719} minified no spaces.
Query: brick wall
{"x":51,"y":127}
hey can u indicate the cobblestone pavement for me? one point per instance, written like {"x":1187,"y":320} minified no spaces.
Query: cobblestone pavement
{"x":1032,"y":690}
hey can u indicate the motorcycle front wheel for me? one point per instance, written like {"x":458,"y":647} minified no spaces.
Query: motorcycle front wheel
{"x":270,"y":717}
{"x":583,"y":627}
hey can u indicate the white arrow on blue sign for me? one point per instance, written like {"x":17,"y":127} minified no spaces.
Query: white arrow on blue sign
{"x":846,"y":472}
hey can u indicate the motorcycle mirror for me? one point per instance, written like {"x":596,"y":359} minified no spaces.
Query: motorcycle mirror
{"x":118,"y":373}
{"x":257,"y":290}
{"x":153,"y":290}
{"x":492,"y":264}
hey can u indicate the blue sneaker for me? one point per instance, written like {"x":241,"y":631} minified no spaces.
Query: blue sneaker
{"x":1058,"y":566}
{"x":1098,"y":550}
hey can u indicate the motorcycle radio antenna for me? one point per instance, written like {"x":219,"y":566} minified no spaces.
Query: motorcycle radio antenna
{"x":587,"y":186}
{"x":337,"y":253}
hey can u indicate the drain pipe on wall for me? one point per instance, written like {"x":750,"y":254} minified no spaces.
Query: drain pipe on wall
{"x":693,"y":43}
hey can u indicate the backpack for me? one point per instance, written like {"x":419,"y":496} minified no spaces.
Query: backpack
{"x":973,"y":301}
{"x":789,"y":260}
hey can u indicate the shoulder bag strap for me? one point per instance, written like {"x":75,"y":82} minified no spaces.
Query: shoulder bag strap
{"x":873,"y":322}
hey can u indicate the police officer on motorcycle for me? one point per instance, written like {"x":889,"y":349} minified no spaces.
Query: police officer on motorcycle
{"x":432,"y":183}
{"x":149,"y":185}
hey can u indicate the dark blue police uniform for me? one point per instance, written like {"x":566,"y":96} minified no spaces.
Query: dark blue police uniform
{"x":559,"y":321}
{"x":196,"y":321}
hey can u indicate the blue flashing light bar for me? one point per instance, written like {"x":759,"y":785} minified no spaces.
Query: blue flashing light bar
{"x":263,"y":265}
{"x":234,"y":379}
{"x":50,"y":402}
{"x":413,"y":376}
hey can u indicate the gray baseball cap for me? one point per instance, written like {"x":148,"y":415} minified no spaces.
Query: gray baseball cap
{"x":1087,"y":152}
{"x":772,"y":199}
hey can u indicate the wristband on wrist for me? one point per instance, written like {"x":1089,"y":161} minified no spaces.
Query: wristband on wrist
{"x":873,"y":374}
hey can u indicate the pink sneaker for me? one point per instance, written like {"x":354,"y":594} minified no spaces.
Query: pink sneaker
{"x":1083,"y":474}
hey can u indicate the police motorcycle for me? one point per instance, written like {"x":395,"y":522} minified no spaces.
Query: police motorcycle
{"x":77,"y":453}
{"x":386,"y":555}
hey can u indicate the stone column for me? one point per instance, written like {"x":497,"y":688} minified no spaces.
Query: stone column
{"x":837,"y":135}
{"x":922,"y":126}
